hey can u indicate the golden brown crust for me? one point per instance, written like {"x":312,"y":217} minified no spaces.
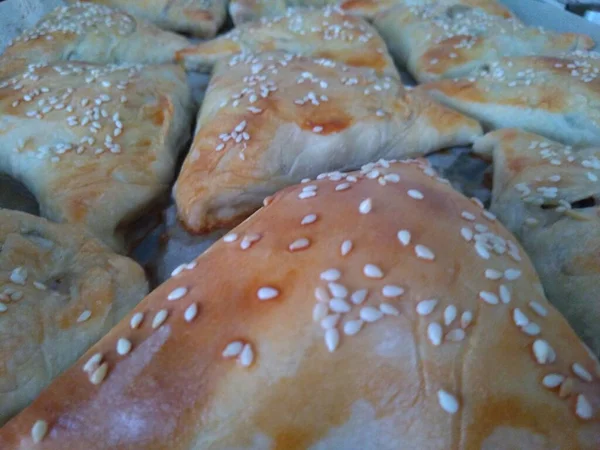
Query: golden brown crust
{"x":546,"y":193}
{"x":436,"y":41}
{"x":550,"y":96}
{"x":60,"y":291}
{"x":323,"y":33}
{"x":269,"y":120}
{"x":411,"y":380}
{"x":91,"y":33}
{"x":201,"y":18}
{"x":95,"y":144}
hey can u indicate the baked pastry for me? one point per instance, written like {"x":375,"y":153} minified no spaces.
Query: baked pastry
{"x":325,"y":33}
{"x":336,"y":321}
{"x":242,"y":11}
{"x":547,"y":194}
{"x":554,"y":97}
{"x":60,"y":291}
{"x":94,"y":144}
{"x":200,"y":18}
{"x":272,"y":119}
{"x":436,"y":41}
{"x":91,"y":33}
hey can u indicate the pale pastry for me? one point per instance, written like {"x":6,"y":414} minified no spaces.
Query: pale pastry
{"x":447,"y":40}
{"x":248,"y":10}
{"x":556,"y":97}
{"x":91,"y":33}
{"x":547,"y":194}
{"x":96,"y":145}
{"x":201,"y":18}
{"x":359,"y":318}
{"x":317,"y":33}
{"x":60,"y":291}
{"x":272,"y":119}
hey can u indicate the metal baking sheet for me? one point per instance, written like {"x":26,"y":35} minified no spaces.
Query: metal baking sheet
{"x":160,"y":243}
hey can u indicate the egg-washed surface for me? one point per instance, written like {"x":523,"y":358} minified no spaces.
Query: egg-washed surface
{"x":60,"y":291}
{"x":546,"y":193}
{"x":390,"y":322}
{"x":272,"y":119}
{"x":436,"y":41}
{"x":318,"y":33}
{"x":94,"y":144}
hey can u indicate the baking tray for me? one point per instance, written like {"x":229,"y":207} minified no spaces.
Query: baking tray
{"x":157,"y":240}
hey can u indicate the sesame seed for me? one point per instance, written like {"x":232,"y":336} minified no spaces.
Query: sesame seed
{"x":331,"y":275}
{"x":365,"y":206}
{"x":370,"y":314}
{"x":434,"y":333}
{"x":136,"y":320}
{"x":92,"y":364}
{"x":404,"y":237}
{"x":38,"y":431}
{"x":310,"y":218}
{"x":306,"y":194}
{"x":389,"y":310}
{"x":531,"y":329}
{"x":346,"y":247}
{"x":247,"y":356}
{"x":466,"y":233}
{"x":423,"y":252}
{"x":190,"y":312}
{"x":267,"y":293}
{"x":581,"y":372}
{"x":392,"y":291}
{"x":488,"y":215}
{"x":447,"y":401}
{"x":180,"y":268}
{"x":520,"y":318}
{"x":85,"y":315}
{"x":450,"y":314}
{"x":539,"y":309}
{"x":512,"y":274}
{"x":426,"y":307}
{"x":330,"y":321}
{"x":466,"y":318}
{"x":337,"y":290}
{"x":358,"y":297}
{"x":583,"y":409}
{"x":372,"y":271}
{"x":39,"y":286}
{"x":467,"y":216}
{"x":320,"y":311}
{"x":123,"y":346}
{"x":19,"y":275}
{"x":299,"y":244}
{"x":493,"y":274}
{"x":481,"y":250}
{"x":3,"y":307}
{"x":332,"y":339}
{"x":552,"y":380}
{"x":317,"y":129}
{"x":248,"y":240}
{"x":544,"y":354}
{"x":352,"y":327}
{"x":505,"y":295}
{"x":321,"y":295}
{"x":99,"y":374}
{"x":392,"y":177}
{"x":417,"y":195}
{"x":232,"y":349}
{"x":456,"y":335}
{"x":159,"y":318}
{"x":177,"y":293}
{"x":489,"y":297}
{"x":339,"y":305}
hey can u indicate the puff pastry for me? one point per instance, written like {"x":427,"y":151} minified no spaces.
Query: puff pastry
{"x":547,"y":193}
{"x":323,"y":33}
{"x":91,"y":33}
{"x":248,"y":10}
{"x":60,"y":291}
{"x":448,"y":40}
{"x":357,"y":319}
{"x":94,"y":144}
{"x":201,"y":18}
{"x":271,"y":119}
{"x":556,"y":97}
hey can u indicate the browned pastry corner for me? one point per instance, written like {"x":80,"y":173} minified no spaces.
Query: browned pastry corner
{"x":272,"y":119}
{"x":242,"y":11}
{"x":373,"y":310}
{"x":547,"y":193}
{"x":60,"y":291}
{"x":200,"y":18}
{"x":91,"y":33}
{"x":319,"y":33}
{"x":447,"y":40}
{"x":96,"y":145}
{"x":554,"y":97}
